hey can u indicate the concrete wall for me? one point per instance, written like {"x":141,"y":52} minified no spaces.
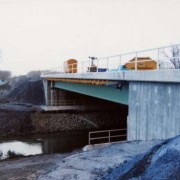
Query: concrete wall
{"x":154,"y":110}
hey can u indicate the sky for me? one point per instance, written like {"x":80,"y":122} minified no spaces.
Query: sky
{"x":42,"y":34}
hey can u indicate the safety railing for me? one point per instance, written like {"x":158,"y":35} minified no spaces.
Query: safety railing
{"x":166,"y":57}
{"x":107,"y":135}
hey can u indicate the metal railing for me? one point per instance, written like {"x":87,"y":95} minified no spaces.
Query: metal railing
{"x":161,"y":56}
{"x":108,"y":135}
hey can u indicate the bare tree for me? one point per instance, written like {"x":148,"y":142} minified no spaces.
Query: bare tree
{"x":174,"y":56}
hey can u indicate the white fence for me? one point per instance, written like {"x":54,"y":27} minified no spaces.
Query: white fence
{"x":108,"y":135}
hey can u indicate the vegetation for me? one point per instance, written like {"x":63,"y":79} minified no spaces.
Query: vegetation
{"x":1,"y":154}
{"x":13,"y":155}
{"x":174,"y":56}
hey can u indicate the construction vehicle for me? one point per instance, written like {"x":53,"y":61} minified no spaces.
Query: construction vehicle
{"x":143,"y":63}
{"x":70,"y":66}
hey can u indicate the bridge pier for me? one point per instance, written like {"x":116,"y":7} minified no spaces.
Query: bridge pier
{"x":51,"y":94}
{"x":45,"y":84}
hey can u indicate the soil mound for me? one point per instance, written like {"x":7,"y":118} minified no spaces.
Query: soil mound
{"x":26,"y":90}
{"x":161,"y":162}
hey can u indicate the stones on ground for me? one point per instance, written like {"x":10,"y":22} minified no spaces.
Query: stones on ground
{"x":161,"y":162}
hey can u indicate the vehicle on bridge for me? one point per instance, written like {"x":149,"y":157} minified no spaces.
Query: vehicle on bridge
{"x":143,"y":63}
{"x":70,"y":66}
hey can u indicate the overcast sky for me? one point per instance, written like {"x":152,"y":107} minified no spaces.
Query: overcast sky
{"x":41,"y":34}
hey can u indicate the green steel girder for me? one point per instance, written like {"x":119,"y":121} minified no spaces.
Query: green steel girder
{"x":110,"y":93}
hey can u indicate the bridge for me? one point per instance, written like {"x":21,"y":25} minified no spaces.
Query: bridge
{"x":151,"y":94}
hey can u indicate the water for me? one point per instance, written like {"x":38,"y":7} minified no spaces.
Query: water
{"x":19,"y":147}
{"x":63,"y":142}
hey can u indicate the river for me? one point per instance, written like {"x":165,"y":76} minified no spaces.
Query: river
{"x":63,"y":142}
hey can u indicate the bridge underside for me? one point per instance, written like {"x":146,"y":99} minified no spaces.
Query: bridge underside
{"x":117,"y":92}
{"x":153,"y":104}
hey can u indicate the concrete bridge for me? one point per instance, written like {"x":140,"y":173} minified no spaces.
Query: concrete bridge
{"x":152,"y":96}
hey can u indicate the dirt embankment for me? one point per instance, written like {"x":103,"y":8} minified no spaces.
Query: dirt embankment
{"x":26,"y":90}
{"x":15,"y":121}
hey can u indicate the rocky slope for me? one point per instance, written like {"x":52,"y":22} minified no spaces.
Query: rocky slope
{"x":88,"y":120}
{"x":20,"y":119}
{"x":15,"y":120}
{"x":161,"y":162}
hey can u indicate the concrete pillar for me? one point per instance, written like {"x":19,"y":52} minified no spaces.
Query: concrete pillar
{"x":45,"y":84}
{"x":47,"y":92}
{"x":52,"y":94}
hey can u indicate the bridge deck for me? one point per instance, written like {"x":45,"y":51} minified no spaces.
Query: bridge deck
{"x":168,"y":75}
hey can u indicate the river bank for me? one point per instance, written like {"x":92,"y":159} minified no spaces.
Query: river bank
{"x":36,"y":144}
{"x":155,"y":159}
{"x":28,"y":167}
{"x":76,"y":165}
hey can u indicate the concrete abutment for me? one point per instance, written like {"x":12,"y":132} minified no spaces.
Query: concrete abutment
{"x":154,"y":110}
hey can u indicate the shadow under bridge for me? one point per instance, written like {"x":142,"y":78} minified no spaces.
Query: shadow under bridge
{"x":115,"y":92}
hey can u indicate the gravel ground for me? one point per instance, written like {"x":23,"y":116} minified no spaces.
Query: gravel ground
{"x":28,"y":168}
{"x":91,"y":164}
{"x":94,"y":164}
{"x":161,"y":162}
{"x":124,"y":160}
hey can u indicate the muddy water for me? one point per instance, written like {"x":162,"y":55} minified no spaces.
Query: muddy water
{"x":63,"y":142}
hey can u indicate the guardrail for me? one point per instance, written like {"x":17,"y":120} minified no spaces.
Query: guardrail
{"x":108,"y":135}
{"x":163,"y":56}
